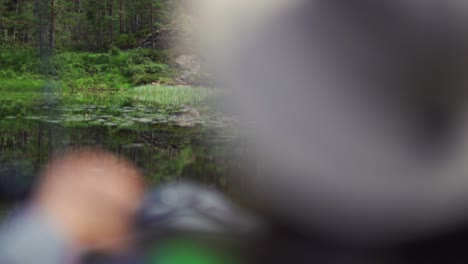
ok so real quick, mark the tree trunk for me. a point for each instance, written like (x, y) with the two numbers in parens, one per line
(52, 26)
(75, 36)
(133, 16)
(4, 31)
(101, 31)
(42, 9)
(111, 26)
(152, 26)
(14, 27)
(120, 17)
(25, 37)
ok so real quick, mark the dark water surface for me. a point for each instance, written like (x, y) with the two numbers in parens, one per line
(205, 151)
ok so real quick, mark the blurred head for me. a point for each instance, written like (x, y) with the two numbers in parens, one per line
(360, 107)
(91, 196)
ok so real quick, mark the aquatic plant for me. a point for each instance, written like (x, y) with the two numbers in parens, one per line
(171, 95)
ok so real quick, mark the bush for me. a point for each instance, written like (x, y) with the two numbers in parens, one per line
(125, 41)
(20, 61)
(113, 70)
(147, 72)
(20, 69)
(114, 51)
(144, 66)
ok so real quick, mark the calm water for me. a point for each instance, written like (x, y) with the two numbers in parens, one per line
(207, 152)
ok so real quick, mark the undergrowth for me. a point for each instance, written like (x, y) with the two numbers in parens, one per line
(83, 71)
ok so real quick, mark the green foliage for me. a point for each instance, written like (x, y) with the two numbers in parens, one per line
(170, 95)
(113, 70)
(83, 25)
(14, 61)
(114, 51)
(126, 41)
(83, 71)
(150, 95)
(20, 70)
(147, 72)
(19, 103)
(20, 84)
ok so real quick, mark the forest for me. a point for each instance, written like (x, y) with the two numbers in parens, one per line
(82, 25)
(85, 45)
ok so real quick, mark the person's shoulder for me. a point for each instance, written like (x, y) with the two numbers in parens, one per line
(27, 237)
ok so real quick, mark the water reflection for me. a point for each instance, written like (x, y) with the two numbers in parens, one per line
(164, 153)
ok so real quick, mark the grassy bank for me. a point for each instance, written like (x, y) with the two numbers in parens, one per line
(29, 81)
(158, 96)
(149, 95)
(169, 96)
(26, 69)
